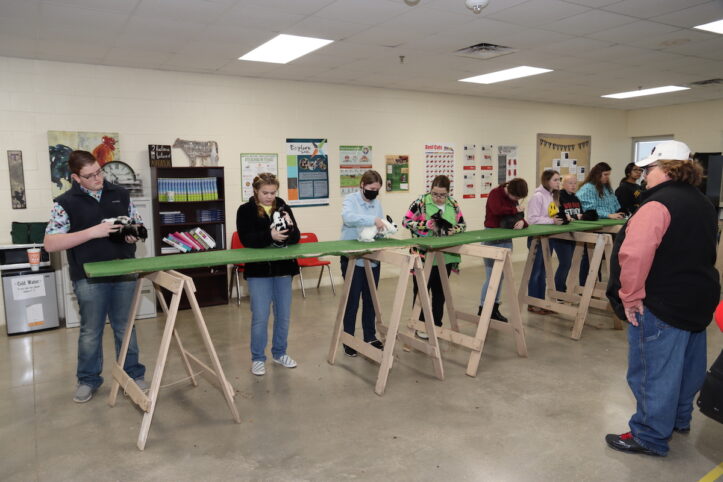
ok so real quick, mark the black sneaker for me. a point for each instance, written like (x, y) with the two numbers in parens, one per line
(377, 344)
(349, 351)
(626, 443)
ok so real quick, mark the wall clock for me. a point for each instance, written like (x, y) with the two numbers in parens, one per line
(119, 172)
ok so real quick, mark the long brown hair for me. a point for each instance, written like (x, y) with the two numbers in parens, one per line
(548, 174)
(594, 177)
(263, 179)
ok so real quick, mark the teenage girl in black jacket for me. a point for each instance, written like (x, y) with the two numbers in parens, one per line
(268, 281)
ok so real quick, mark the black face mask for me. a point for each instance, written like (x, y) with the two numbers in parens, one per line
(371, 195)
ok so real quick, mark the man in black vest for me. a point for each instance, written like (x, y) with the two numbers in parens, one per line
(664, 282)
(76, 226)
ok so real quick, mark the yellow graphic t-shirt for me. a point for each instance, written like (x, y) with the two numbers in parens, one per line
(552, 210)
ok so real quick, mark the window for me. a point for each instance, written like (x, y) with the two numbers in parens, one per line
(643, 146)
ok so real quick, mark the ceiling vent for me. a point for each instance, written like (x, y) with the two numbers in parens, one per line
(707, 82)
(484, 51)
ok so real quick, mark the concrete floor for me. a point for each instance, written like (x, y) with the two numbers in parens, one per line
(539, 418)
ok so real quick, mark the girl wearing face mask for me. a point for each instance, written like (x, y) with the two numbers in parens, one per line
(268, 281)
(361, 209)
(543, 209)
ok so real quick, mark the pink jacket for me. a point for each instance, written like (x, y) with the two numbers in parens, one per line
(538, 207)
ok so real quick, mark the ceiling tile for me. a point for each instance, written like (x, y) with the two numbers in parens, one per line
(257, 17)
(122, 6)
(589, 22)
(651, 8)
(538, 12)
(632, 32)
(690, 17)
(326, 29)
(368, 12)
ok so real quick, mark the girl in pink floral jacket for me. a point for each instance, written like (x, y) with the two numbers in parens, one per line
(435, 214)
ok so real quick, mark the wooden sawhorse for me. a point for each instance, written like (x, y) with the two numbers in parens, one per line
(502, 265)
(390, 332)
(592, 294)
(177, 283)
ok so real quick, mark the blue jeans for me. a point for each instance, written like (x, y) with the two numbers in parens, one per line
(489, 263)
(666, 368)
(264, 291)
(98, 300)
(564, 250)
(360, 287)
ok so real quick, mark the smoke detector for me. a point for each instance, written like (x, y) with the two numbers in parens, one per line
(476, 5)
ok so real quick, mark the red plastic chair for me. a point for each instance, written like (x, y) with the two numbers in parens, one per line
(311, 262)
(237, 268)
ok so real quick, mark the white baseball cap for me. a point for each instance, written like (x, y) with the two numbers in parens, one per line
(667, 151)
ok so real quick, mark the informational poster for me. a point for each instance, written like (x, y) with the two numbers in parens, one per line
(397, 172)
(469, 162)
(507, 160)
(469, 190)
(439, 159)
(103, 145)
(28, 287)
(488, 170)
(307, 167)
(253, 164)
(567, 154)
(353, 162)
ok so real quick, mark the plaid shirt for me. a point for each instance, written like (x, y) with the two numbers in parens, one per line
(590, 199)
(60, 221)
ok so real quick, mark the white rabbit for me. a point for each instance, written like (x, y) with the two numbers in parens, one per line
(367, 234)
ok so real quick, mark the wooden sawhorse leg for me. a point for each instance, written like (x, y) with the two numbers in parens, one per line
(385, 357)
(177, 284)
(582, 298)
(502, 265)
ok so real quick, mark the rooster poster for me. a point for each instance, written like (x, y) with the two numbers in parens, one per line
(103, 145)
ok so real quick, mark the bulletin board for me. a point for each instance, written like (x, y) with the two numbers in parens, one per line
(567, 154)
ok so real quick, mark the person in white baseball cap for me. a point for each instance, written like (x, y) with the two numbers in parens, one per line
(668, 151)
(663, 281)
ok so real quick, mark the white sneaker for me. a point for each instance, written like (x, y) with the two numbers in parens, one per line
(422, 334)
(258, 368)
(286, 361)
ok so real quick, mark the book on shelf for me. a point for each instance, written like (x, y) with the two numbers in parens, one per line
(187, 189)
(170, 250)
(186, 241)
(210, 242)
(176, 244)
(172, 217)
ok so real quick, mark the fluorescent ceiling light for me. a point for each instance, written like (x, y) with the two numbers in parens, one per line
(715, 27)
(642, 92)
(503, 75)
(283, 48)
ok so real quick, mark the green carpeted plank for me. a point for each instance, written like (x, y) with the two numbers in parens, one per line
(325, 248)
(235, 256)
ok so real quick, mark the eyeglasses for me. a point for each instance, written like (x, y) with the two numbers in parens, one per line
(439, 195)
(649, 168)
(94, 175)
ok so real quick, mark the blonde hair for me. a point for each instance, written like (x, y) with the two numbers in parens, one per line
(264, 179)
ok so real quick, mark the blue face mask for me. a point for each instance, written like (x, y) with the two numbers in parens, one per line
(369, 194)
